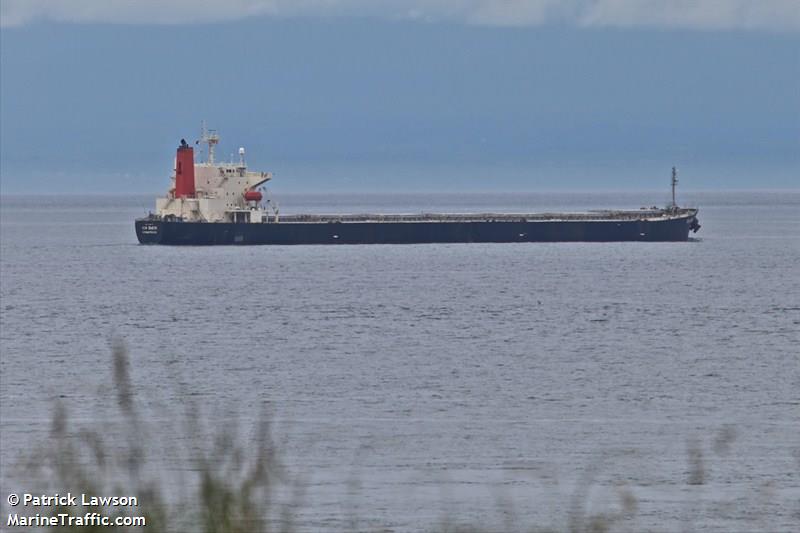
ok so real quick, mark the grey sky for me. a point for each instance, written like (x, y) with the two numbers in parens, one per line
(698, 14)
(394, 95)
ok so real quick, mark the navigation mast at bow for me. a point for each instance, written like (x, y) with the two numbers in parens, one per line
(674, 184)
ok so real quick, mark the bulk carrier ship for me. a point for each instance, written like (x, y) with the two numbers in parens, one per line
(221, 203)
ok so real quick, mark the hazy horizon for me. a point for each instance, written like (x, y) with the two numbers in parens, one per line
(359, 101)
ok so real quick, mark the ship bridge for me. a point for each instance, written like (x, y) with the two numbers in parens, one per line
(212, 191)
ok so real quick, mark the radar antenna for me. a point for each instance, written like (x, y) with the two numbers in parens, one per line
(211, 138)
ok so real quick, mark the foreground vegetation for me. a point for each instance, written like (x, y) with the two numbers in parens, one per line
(232, 486)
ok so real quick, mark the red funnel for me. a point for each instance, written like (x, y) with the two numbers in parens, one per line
(184, 171)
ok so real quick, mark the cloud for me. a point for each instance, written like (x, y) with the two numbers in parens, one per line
(771, 15)
(695, 14)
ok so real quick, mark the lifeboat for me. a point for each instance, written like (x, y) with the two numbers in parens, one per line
(253, 196)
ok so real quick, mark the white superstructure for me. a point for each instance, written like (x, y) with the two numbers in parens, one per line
(221, 192)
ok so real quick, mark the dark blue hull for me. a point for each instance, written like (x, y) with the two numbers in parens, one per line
(157, 231)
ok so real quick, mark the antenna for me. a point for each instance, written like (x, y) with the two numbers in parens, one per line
(209, 137)
(674, 184)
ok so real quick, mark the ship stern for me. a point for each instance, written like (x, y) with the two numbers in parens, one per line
(149, 231)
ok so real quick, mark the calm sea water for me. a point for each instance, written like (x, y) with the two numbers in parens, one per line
(491, 384)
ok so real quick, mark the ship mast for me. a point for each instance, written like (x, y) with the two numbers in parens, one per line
(209, 137)
(674, 184)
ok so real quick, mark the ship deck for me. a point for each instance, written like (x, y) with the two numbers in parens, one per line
(605, 216)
